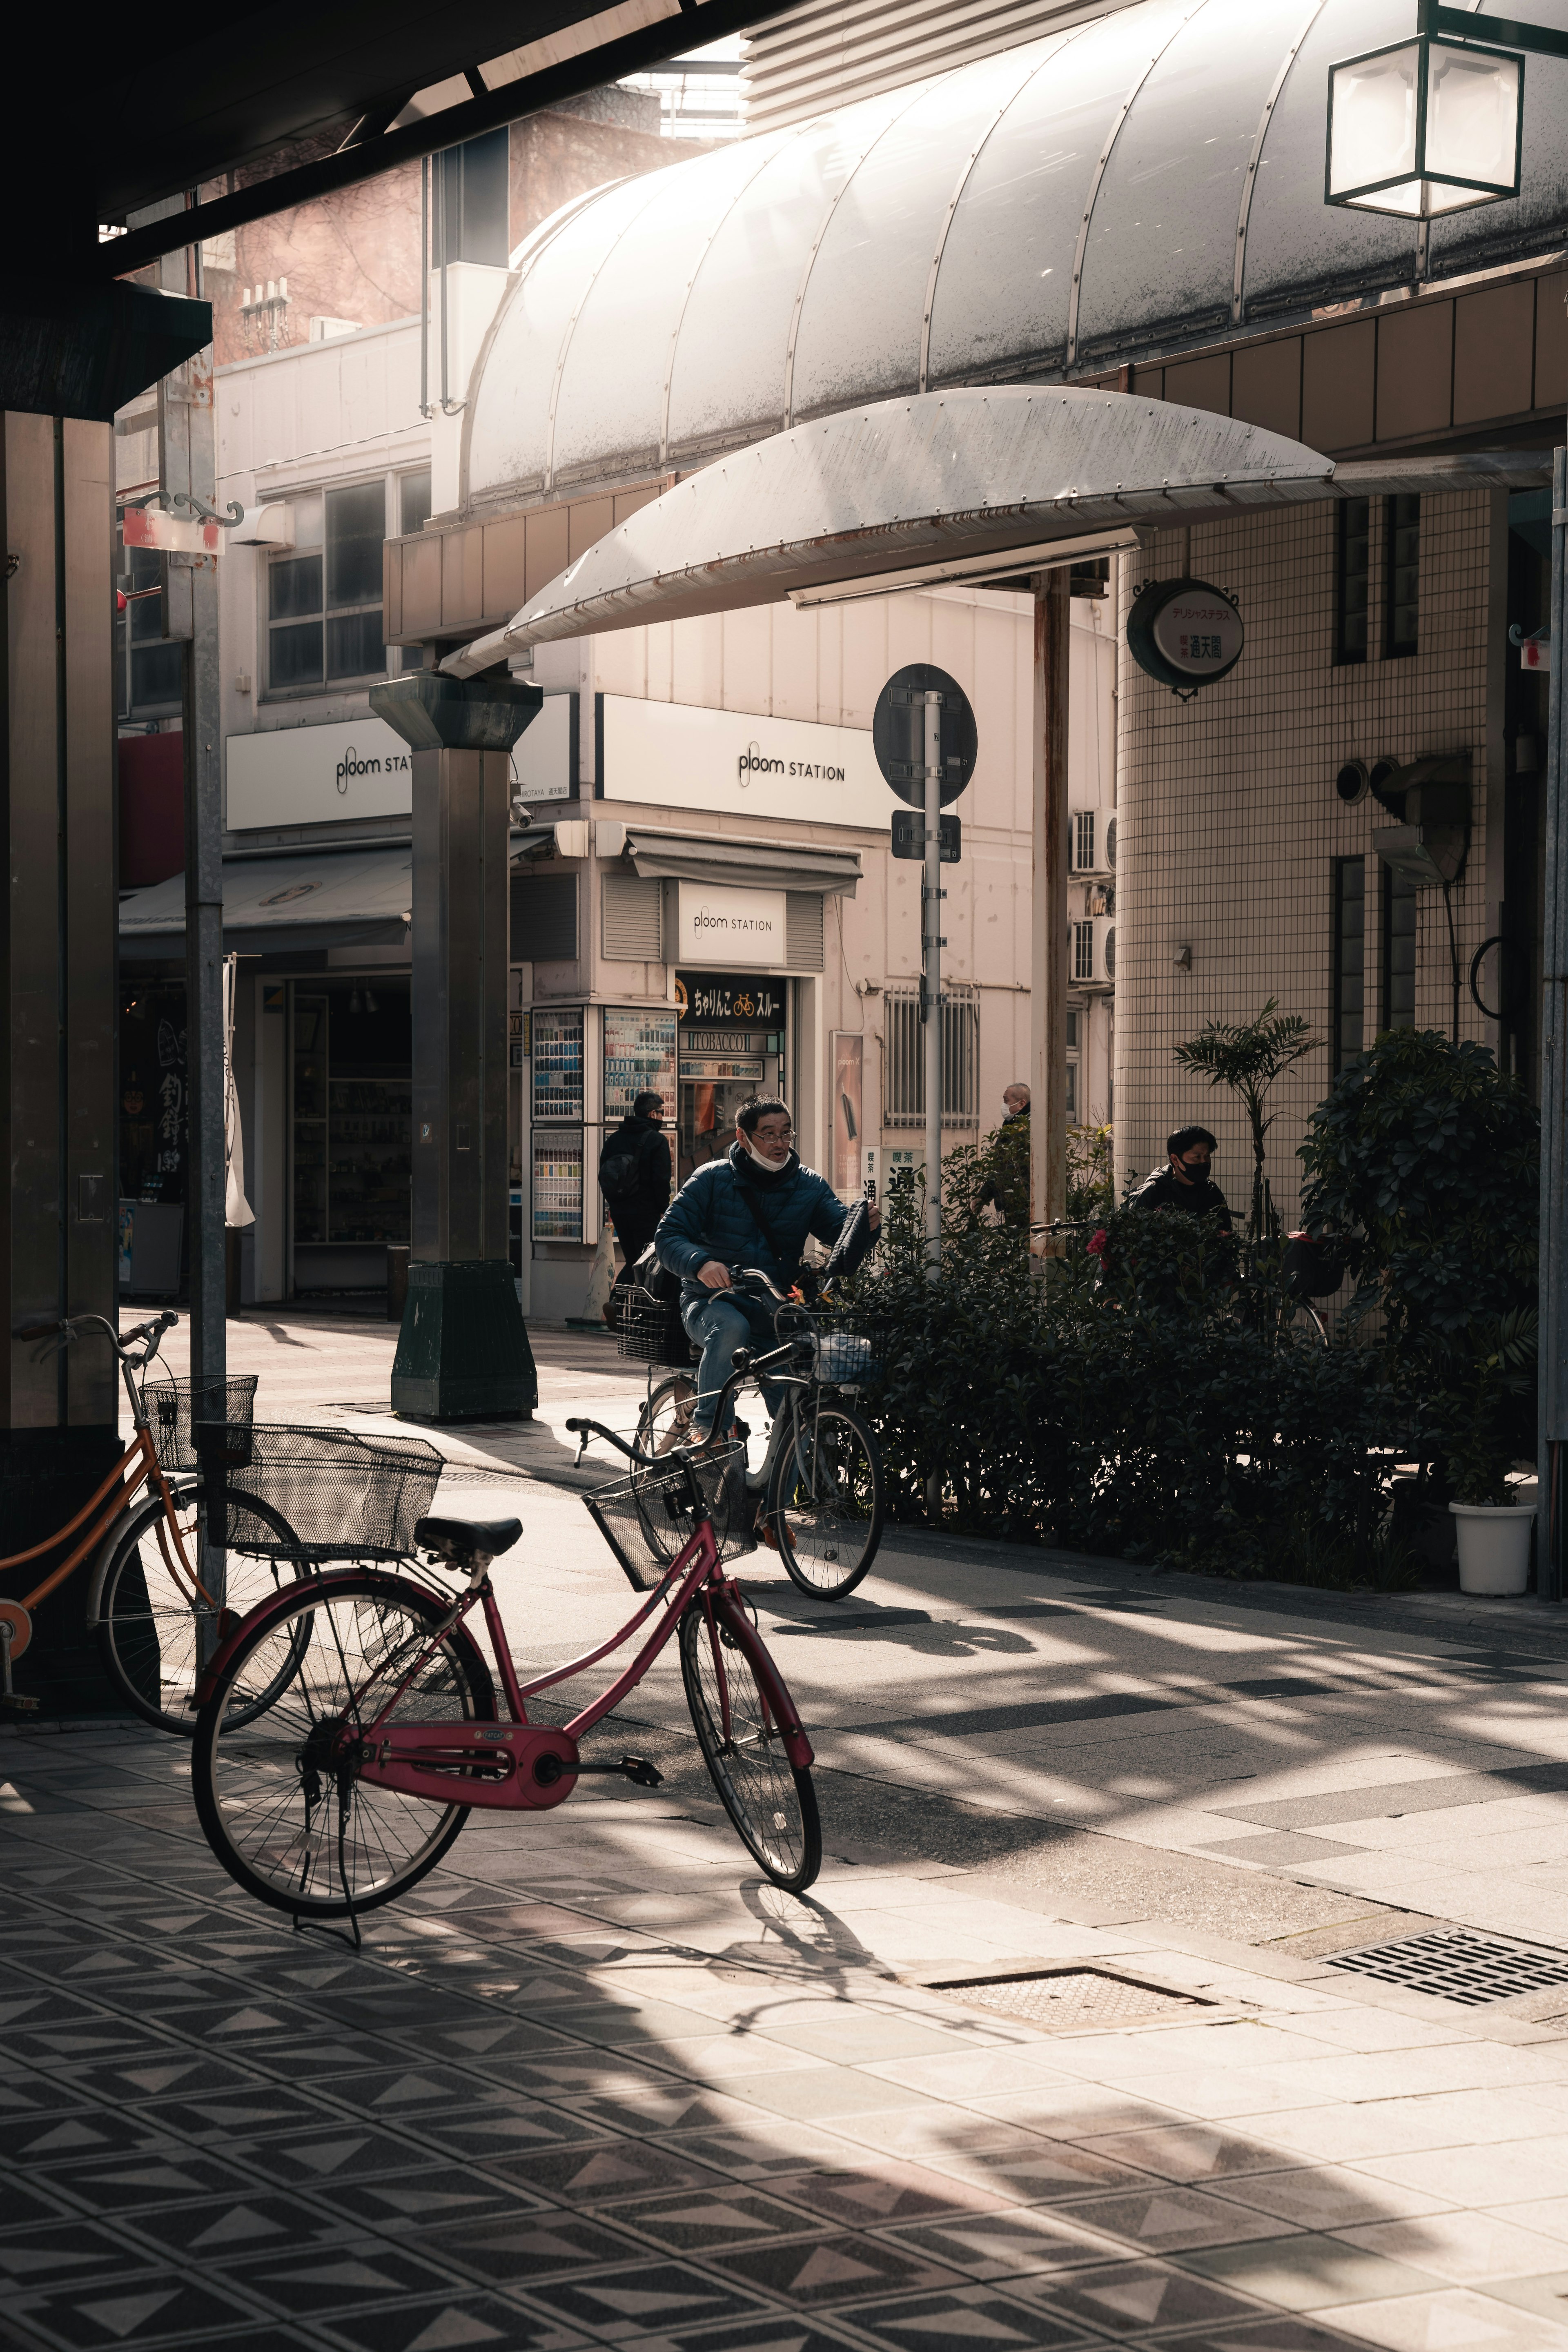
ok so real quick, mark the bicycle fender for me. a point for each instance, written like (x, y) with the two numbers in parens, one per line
(796, 1746)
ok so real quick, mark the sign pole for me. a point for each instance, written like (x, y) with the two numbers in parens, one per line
(931, 897)
(1049, 928)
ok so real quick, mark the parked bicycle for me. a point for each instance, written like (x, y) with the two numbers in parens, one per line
(818, 1493)
(160, 1594)
(385, 1731)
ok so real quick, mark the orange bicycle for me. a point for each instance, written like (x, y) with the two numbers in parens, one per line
(160, 1597)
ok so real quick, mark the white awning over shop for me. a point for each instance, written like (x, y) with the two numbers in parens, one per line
(713, 858)
(343, 898)
(944, 479)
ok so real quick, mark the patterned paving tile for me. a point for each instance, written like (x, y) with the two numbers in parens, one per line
(873, 2196)
(716, 2216)
(393, 2092)
(224, 2230)
(260, 2108)
(526, 2247)
(477, 2040)
(958, 2322)
(431, 2199)
(64, 2253)
(629, 2305)
(145, 2310)
(339, 2151)
(776, 2335)
(156, 2074)
(606, 2170)
(341, 2278)
(319, 2058)
(122, 2184)
(1001, 2245)
(836, 2269)
(1131, 2298)
(73, 2129)
(488, 2132)
(668, 2107)
(453, 2323)
(1294, 2335)
(757, 2150)
(1307, 2272)
(1169, 2219)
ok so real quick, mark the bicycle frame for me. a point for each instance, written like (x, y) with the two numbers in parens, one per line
(523, 1767)
(116, 1493)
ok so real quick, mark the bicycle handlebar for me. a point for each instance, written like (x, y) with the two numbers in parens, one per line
(75, 1327)
(583, 1430)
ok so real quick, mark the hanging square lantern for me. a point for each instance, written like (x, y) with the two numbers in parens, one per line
(1425, 127)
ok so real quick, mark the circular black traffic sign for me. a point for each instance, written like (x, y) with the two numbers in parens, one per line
(1184, 633)
(897, 732)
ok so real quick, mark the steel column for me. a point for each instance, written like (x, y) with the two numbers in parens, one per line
(1553, 1316)
(931, 897)
(1048, 927)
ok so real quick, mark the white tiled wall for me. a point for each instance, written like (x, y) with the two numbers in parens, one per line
(1228, 818)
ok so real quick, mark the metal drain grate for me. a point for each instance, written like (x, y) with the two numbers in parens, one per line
(1459, 1966)
(1061, 1998)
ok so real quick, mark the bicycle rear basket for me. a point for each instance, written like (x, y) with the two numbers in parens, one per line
(649, 1331)
(854, 1347)
(647, 1520)
(168, 1403)
(340, 1496)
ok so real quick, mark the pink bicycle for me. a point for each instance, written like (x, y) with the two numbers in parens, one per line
(382, 1731)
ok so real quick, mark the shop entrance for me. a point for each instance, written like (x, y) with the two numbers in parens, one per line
(731, 1047)
(353, 1130)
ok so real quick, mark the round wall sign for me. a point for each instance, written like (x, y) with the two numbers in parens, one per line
(1184, 633)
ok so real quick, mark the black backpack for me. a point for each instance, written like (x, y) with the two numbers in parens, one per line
(620, 1164)
(650, 1274)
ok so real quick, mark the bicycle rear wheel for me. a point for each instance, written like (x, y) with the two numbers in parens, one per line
(279, 1797)
(771, 1804)
(826, 1500)
(155, 1632)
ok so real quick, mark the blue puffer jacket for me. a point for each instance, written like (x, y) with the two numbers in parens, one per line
(718, 1214)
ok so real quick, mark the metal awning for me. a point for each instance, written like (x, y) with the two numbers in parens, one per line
(936, 480)
(271, 905)
(713, 858)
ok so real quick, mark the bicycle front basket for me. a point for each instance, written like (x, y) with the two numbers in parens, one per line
(649, 1331)
(647, 1520)
(168, 1403)
(342, 1497)
(854, 1348)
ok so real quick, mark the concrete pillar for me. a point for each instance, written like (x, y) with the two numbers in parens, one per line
(462, 1351)
(57, 1411)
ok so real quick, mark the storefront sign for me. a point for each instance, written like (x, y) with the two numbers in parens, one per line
(680, 755)
(1184, 633)
(723, 925)
(312, 775)
(710, 997)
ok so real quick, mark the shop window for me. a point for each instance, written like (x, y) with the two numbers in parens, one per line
(903, 1059)
(1398, 950)
(1072, 1094)
(353, 1110)
(1353, 579)
(1075, 1032)
(1401, 574)
(413, 501)
(1083, 951)
(149, 674)
(1350, 957)
(323, 610)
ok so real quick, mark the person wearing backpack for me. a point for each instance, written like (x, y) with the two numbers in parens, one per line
(753, 1207)
(633, 1177)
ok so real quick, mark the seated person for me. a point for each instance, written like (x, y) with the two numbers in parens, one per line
(755, 1206)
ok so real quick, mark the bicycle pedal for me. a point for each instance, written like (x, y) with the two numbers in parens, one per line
(638, 1768)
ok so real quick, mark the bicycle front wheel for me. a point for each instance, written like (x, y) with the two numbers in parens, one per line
(826, 1501)
(156, 1632)
(281, 1798)
(771, 1804)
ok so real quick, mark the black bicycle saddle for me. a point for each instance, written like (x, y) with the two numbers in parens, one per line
(461, 1538)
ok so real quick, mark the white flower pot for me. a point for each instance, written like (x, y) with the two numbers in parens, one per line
(1494, 1546)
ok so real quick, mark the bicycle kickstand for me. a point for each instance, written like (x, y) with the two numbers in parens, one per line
(11, 1701)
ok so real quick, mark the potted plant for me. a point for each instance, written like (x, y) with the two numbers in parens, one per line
(1481, 1412)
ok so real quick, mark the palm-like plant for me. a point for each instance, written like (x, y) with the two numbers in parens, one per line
(1246, 1056)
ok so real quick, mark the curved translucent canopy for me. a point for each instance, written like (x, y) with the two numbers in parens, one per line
(982, 477)
(1150, 178)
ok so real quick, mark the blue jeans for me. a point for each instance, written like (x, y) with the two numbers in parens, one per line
(720, 1322)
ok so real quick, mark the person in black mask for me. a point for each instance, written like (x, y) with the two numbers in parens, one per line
(1186, 1181)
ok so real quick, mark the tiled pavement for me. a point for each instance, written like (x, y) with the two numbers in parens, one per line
(595, 2083)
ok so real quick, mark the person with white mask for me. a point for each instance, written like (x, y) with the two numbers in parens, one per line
(753, 1207)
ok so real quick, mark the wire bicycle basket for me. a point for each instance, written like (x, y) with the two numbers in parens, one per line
(649, 1331)
(648, 1518)
(853, 1347)
(344, 1497)
(168, 1404)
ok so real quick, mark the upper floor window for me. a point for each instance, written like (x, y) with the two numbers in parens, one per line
(323, 610)
(1402, 566)
(1353, 579)
(148, 672)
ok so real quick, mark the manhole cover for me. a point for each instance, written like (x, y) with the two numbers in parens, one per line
(1061, 1998)
(1459, 1966)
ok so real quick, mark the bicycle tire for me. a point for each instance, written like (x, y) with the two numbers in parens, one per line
(827, 1539)
(665, 1418)
(153, 1637)
(264, 1792)
(771, 1803)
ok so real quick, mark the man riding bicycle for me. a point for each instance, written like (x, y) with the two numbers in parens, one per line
(753, 1207)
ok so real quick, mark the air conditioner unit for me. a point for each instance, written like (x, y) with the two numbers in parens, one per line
(1091, 952)
(1110, 843)
(1083, 841)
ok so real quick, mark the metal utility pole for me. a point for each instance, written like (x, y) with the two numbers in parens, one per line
(1048, 923)
(1554, 1315)
(188, 467)
(932, 897)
